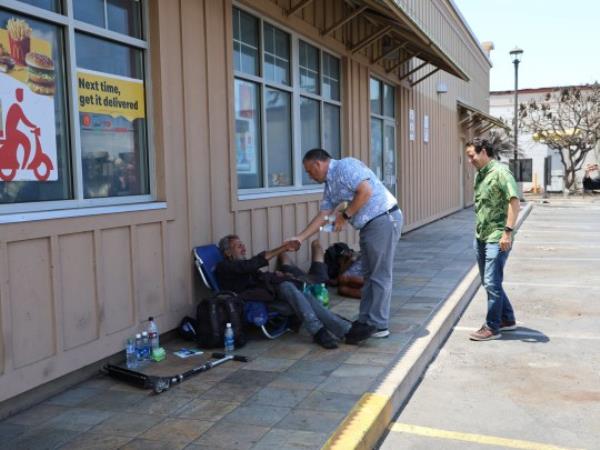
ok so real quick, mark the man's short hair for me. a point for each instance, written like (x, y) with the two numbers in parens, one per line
(316, 154)
(225, 243)
(481, 144)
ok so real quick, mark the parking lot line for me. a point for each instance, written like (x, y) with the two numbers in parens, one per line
(469, 437)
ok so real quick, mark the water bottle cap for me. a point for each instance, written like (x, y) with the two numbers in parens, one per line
(228, 325)
(150, 318)
(138, 336)
(144, 333)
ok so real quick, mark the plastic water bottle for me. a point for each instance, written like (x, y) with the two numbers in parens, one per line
(153, 333)
(146, 345)
(131, 354)
(139, 347)
(229, 341)
(329, 227)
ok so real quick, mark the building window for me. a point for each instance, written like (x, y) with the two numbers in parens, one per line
(383, 132)
(73, 123)
(287, 101)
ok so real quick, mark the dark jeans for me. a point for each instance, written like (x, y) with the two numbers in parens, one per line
(491, 261)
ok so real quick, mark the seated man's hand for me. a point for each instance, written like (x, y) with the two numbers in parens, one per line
(292, 244)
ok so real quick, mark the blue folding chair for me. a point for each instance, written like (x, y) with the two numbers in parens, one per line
(271, 319)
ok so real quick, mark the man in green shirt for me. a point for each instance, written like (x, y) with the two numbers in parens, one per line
(496, 209)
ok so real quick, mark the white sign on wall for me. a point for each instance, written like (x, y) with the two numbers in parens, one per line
(412, 132)
(425, 128)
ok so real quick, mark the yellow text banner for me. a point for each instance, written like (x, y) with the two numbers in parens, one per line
(114, 96)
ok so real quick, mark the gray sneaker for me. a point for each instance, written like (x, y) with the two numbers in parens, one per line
(381, 333)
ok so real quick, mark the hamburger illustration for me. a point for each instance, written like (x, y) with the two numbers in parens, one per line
(40, 73)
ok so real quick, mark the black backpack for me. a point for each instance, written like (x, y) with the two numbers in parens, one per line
(332, 258)
(212, 315)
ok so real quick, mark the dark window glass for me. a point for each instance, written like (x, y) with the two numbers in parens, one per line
(122, 16)
(34, 134)
(331, 77)
(331, 130)
(50, 5)
(309, 68)
(278, 137)
(90, 11)
(375, 96)
(277, 55)
(310, 125)
(125, 16)
(245, 42)
(104, 56)
(377, 147)
(388, 100)
(112, 116)
(247, 135)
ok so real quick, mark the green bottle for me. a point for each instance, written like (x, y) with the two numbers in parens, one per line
(321, 293)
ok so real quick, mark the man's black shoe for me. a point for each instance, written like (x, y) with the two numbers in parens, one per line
(359, 332)
(324, 339)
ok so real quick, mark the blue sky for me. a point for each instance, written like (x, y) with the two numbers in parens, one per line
(560, 40)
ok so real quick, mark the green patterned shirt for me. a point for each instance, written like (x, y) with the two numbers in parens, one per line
(494, 187)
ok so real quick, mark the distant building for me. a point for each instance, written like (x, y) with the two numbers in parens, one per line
(502, 104)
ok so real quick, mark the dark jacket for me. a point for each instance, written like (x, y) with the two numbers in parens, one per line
(245, 279)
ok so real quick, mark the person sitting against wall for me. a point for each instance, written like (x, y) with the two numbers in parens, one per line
(590, 183)
(340, 266)
(243, 276)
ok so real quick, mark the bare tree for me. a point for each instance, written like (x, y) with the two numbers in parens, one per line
(567, 120)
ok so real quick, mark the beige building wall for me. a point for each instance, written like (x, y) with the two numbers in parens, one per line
(73, 289)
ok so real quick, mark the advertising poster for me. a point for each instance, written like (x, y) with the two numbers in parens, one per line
(425, 128)
(27, 87)
(110, 95)
(111, 112)
(411, 125)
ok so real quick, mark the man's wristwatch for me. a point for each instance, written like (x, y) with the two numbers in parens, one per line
(346, 216)
(508, 229)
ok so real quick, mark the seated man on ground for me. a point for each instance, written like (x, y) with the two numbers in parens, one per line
(239, 274)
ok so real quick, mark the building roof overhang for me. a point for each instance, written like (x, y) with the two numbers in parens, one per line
(482, 120)
(407, 39)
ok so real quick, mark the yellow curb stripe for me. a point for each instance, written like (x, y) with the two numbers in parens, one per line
(468, 437)
(365, 423)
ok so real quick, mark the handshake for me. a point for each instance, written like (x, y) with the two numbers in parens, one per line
(292, 244)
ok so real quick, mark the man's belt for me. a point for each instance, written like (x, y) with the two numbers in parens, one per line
(389, 211)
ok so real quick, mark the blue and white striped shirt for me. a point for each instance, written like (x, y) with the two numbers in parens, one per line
(343, 178)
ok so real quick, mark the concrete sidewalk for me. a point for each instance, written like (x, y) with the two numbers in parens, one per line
(292, 394)
(538, 387)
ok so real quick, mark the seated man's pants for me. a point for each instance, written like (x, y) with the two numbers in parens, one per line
(313, 314)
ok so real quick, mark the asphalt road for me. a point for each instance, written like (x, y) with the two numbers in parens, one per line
(539, 386)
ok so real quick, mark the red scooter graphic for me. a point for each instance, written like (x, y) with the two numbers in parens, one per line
(15, 138)
(9, 164)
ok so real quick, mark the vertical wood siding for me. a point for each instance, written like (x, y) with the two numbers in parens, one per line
(72, 290)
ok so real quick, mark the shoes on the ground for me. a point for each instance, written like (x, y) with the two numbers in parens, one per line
(381, 333)
(507, 326)
(324, 339)
(485, 333)
(359, 332)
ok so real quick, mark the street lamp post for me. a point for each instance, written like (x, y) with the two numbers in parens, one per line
(516, 53)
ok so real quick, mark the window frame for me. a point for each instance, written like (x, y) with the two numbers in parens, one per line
(296, 92)
(69, 26)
